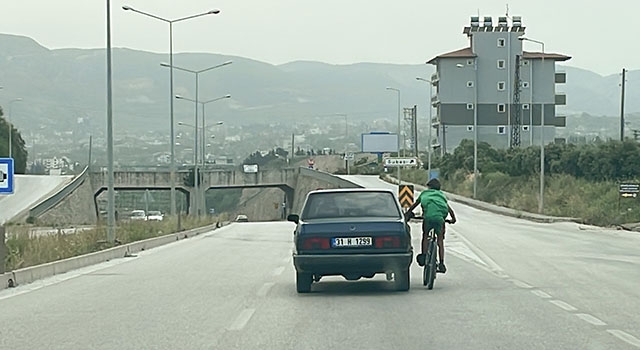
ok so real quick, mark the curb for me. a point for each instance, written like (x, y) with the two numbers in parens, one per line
(33, 273)
(495, 208)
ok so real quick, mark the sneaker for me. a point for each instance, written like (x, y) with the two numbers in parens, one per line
(420, 259)
(442, 268)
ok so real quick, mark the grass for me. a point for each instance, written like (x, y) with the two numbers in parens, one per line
(24, 250)
(596, 203)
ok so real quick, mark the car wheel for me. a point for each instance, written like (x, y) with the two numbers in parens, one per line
(303, 282)
(401, 280)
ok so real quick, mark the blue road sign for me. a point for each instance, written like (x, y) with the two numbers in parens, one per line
(6, 175)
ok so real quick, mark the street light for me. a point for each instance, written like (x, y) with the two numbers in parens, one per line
(430, 82)
(197, 74)
(196, 183)
(11, 125)
(398, 91)
(172, 142)
(475, 126)
(541, 200)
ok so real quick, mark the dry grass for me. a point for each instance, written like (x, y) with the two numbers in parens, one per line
(25, 249)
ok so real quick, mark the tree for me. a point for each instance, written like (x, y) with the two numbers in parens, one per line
(19, 151)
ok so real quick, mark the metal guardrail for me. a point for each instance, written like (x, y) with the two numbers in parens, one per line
(53, 200)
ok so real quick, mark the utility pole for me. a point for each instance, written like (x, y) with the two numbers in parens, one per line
(624, 74)
(293, 142)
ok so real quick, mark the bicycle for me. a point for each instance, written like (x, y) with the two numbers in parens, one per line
(430, 266)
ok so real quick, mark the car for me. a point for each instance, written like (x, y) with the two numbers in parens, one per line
(138, 215)
(242, 218)
(154, 215)
(353, 233)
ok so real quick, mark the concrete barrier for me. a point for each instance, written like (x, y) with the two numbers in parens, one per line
(52, 201)
(496, 209)
(34, 273)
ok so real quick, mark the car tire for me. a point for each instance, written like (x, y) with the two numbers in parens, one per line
(401, 280)
(303, 282)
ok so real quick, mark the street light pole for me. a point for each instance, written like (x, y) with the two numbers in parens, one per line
(475, 126)
(172, 166)
(541, 195)
(398, 91)
(111, 197)
(11, 125)
(195, 153)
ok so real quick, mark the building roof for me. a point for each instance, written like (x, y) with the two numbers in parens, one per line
(547, 56)
(462, 53)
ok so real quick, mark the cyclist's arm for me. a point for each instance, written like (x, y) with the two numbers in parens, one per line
(414, 205)
(452, 214)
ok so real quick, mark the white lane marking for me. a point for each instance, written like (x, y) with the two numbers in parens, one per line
(56, 279)
(541, 294)
(278, 271)
(521, 284)
(485, 258)
(264, 290)
(591, 319)
(624, 336)
(242, 319)
(561, 304)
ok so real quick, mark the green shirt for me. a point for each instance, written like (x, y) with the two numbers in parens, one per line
(434, 204)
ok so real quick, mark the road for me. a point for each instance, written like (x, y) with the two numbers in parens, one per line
(511, 284)
(29, 190)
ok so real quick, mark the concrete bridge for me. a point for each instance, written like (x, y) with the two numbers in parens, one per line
(76, 203)
(160, 179)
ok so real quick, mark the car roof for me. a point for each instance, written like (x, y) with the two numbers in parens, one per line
(355, 190)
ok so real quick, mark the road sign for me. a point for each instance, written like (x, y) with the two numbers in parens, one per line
(250, 168)
(6, 175)
(349, 156)
(405, 195)
(400, 162)
(629, 190)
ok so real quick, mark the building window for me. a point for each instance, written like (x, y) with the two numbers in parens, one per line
(469, 62)
(501, 64)
(525, 128)
(525, 106)
(524, 84)
(525, 62)
(501, 107)
(501, 42)
(502, 130)
(469, 127)
(501, 85)
(469, 106)
(470, 83)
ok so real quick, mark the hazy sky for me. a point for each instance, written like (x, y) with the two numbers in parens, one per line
(599, 35)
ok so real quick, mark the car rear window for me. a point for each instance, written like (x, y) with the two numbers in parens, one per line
(350, 204)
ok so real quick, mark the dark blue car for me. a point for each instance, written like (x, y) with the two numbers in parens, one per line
(353, 233)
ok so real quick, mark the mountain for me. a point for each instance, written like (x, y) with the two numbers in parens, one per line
(61, 88)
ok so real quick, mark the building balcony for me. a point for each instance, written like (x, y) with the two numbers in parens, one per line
(561, 99)
(561, 77)
(435, 77)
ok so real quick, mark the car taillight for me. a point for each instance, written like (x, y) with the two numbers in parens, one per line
(316, 243)
(388, 242)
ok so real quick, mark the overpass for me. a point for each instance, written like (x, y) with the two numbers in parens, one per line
(77, 203)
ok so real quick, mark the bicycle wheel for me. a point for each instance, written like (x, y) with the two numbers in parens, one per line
(427, 271)
(432, 265)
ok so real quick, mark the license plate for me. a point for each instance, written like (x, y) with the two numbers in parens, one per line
(351, 241)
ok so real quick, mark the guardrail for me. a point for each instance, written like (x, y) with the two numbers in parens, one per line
(327, 177)
(34, 273)
(53, 200)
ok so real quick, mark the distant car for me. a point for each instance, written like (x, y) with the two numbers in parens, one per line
(154, 215)
(138, 215)
(353, 233)
(242, 218)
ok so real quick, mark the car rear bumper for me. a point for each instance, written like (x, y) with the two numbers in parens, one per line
(337, 264)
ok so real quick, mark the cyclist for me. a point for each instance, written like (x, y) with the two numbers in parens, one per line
(435, 209)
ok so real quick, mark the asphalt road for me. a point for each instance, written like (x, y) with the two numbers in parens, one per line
(29, 190)
(511, 284)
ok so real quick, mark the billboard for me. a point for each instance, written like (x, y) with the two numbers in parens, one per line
(379, 143)
(250, 168)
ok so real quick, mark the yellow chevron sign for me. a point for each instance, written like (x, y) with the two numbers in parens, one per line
(405, 195)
